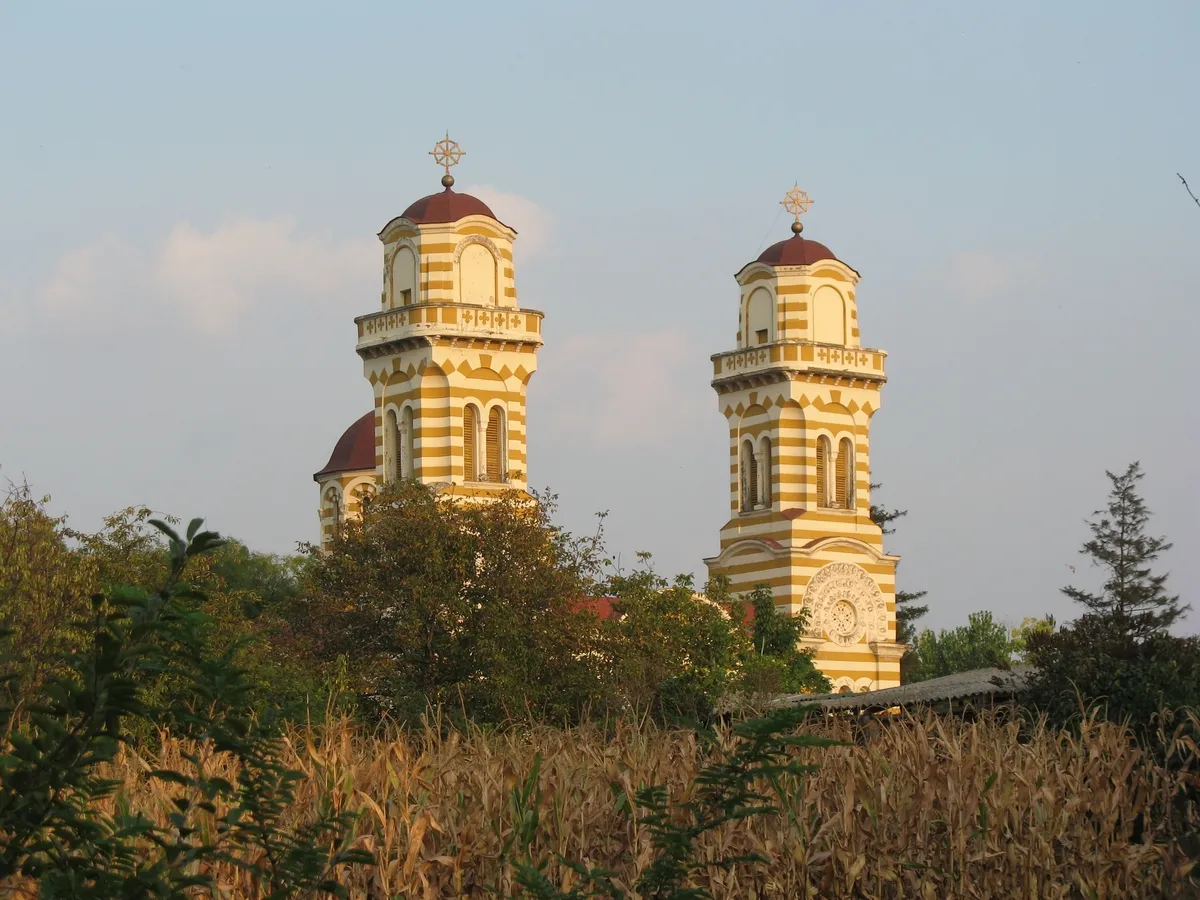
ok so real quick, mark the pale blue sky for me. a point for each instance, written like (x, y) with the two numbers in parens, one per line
(189, 195)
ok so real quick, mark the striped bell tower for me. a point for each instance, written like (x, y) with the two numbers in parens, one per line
(798, 393)
(448, 354)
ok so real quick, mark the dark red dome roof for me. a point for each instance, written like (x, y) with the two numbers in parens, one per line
(448, 206)
(355, 449)
(795, 251)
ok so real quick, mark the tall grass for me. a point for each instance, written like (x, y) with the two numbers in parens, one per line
(923, 807)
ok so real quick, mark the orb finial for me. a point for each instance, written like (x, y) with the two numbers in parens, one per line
(797, 203)
(447, 153)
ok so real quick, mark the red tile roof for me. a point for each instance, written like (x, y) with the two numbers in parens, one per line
(355, 449)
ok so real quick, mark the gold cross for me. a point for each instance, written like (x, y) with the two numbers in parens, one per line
(796, 201)
(447, 153)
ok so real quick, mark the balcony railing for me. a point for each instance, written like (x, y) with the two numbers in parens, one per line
(799, 356)
(451, 319)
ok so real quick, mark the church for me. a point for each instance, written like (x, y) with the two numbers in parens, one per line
(449, 353)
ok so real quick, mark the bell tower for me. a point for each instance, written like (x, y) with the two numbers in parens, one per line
(798, 393)
(448, 354)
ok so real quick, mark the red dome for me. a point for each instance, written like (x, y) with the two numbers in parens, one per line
(355, 449)
(448, 206)
(795, 251)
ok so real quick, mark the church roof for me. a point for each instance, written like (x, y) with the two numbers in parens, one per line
(795, 251)
(447, 206)
(355, 449)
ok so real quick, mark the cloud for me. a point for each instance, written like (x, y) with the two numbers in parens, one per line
(532, 222)
(620, 389)
(207, 279)
(217, 275)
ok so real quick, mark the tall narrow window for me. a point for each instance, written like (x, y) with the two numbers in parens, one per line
(765, 494)
(470, 443)
(822, 471)
(744, 455)
(846, 465)
(841, 476)
(750, 476)
(391, 446)
(496, 457)
(406, 443)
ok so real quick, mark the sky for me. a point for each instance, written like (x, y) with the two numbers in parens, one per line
(189, 197)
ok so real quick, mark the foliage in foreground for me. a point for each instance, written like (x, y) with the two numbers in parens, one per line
(55, 831)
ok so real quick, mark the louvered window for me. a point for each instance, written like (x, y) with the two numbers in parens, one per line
(470, 437)
(766, 494)
(406, 443)
(753, 475)
(391, 446)
(495, 447)
(822, 469)
(846, 474)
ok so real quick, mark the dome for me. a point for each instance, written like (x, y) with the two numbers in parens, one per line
(448, 206)
(355, 449)
(795, 251)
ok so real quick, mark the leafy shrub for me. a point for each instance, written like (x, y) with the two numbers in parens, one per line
(54, 833)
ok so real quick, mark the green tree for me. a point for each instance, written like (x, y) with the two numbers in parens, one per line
(667, 650)
(1132, 596)
(471, 605)
(1021, 635)
(776, 663)
(979, 644)
(907, 609)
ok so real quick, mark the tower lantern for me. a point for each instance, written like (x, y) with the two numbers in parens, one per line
(448, 355)
(798, 393)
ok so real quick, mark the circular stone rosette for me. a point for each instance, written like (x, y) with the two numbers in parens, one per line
(846, 605)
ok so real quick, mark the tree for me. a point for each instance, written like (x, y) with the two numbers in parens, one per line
(1023, 634)
(775, 662)
(1132, 597)
(667, 650)
(979, 644)
(907, 612)
(441, 601)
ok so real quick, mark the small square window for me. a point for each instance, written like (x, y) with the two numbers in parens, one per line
(761, 335)
(406, 297)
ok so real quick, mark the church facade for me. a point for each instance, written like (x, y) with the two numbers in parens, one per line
(449, 354)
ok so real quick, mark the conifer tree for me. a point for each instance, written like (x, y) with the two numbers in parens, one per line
(1132, 599)
(906, 614)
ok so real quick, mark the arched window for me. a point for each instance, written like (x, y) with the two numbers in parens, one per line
(333, 510)
(391, 446)
(470, 443)
(845, 474)
(404, 277)
(760, 318)
(406, 443)
(363, 495)
(497, 450)
(749, 476)
(823, 454)
(845, 689)
(764, 465)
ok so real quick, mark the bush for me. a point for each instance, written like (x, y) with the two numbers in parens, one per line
(1095, 662)
(53, 831)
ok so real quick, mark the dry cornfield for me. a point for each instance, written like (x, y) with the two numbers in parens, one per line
(909, 810)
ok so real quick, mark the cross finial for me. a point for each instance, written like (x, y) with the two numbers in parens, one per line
(797, 203)
(447, 153)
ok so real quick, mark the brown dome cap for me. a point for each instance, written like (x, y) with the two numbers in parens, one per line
(795, 251)
(355, 449)
(448, 206)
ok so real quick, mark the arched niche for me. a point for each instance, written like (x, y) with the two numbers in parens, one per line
(477, 276)
(404, 277)
(760, 317)
(829, 316)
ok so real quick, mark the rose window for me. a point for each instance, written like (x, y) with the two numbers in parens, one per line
(843, 620)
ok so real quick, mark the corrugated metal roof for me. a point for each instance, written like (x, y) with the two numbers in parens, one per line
(995, 684)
